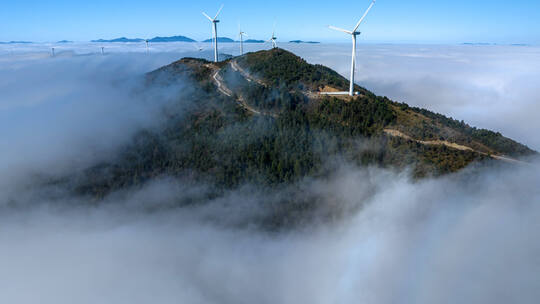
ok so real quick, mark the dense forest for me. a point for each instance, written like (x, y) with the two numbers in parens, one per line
(281, 68)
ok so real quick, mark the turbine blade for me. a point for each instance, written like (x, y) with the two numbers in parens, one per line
(245, 34)
(211, 20)
(364, 16)
(219, 11)
(340, 29)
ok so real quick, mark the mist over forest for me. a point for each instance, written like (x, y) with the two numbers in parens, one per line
(467, 237)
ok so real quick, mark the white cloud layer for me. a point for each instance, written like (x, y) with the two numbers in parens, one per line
(449, 240)
(492, 87)
(466, 238)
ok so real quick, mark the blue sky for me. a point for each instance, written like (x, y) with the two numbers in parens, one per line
(393, 21)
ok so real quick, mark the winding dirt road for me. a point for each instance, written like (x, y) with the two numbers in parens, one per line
(222, 87)
(245, 74)
(396, 133)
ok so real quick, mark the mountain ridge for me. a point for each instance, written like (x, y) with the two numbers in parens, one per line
(260, 119)
(258, 122)
(302, 41)
(171, 39)
(121, 39)
(220, 39)
(155, 39)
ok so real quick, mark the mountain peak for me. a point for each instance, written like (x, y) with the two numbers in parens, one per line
(278, 70)
(260, 119)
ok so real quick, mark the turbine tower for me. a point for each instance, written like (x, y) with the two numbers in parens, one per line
(214, 24)
(353, 34)
(146, 46)
(241, 34)
(273, 38)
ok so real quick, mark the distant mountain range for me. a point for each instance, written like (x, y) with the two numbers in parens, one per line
(220, 39)
(179, 39)
(300, 41)
(171, 39)
(64, 41)
(187, 39)
(155, 39)
(15, 42)
(122, 39)
(478, 43)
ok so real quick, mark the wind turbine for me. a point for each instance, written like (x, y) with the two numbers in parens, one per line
(198, 47)
(146, 46)
(241, 34)
(273, 38)
(52, 52)
(353, 34)
(214, 23)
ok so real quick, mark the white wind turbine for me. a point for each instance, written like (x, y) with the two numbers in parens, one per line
(353, 33)
(273, 38)
(241, 34)
(214, 23)
(198, 47)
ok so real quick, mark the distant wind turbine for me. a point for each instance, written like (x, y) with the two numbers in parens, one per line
(102, 50)
(198, 47)
(146, 46)
(241, 34)
(354, 33)
(273, 38)
(214, 24)
(52, 52)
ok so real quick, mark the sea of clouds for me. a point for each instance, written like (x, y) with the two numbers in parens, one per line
(491, 86)
(463, 238)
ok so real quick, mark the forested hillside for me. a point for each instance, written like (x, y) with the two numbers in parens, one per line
(274, 130)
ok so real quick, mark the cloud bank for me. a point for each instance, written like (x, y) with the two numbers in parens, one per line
(467, 239)
(60, 114)
(491, 87)
(464, 238)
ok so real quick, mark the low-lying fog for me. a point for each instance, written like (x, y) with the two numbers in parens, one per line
(465, 238)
